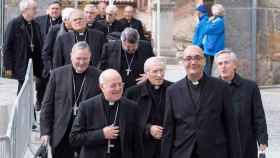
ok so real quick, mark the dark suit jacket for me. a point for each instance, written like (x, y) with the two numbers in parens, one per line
(136, 24)
(250, 113)
(115, 27)
(16, 46)
(65, 42)
(111, 55)
(91, 119)
(211, 125)
(142, 96)
(48, 47)
(43, 22)
(57, 105)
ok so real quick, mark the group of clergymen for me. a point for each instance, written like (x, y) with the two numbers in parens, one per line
(109, 99)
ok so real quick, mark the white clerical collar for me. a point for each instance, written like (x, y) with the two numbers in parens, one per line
(157, 87)
(195, 83)
(111, 103)
(81, 33)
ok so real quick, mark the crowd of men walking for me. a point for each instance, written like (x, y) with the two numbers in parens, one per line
(102, 93)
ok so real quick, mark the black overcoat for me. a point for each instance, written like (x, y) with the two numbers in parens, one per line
(57, 104)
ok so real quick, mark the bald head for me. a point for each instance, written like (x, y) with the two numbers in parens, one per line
(128, 12)
(111, 85)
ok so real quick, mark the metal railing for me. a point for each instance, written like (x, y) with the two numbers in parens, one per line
(18, 136)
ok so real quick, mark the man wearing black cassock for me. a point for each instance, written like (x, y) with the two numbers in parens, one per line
(51, 38)
(130, 21)
(89, 12)
(106, 125)
(94, 38)
(52, 18)
(150, 97)
(111, 24)
(127, 56)
(67, 87)
(199, 120)
(22, 42)
(247, 104)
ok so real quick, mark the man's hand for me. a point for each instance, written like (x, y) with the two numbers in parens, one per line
(45, 139)
(8, 73)
(111, 132)
(141, 79)
(156, 131)
(263, 147)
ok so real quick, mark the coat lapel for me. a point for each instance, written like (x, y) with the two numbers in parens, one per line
(145, 112)
(184, 89)
(69, 81)
(118, 55)
(100, 108)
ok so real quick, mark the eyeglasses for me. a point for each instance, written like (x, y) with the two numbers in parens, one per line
(195, 58)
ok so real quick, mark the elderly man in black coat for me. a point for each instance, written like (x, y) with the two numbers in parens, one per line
(52, 17)
(127, 56)
(199, 120)
(93, 37)
(130, 21)
(150, 97)
(22, 42)
(106, 125)
(67, 87)
(247, 105)
(51, 38)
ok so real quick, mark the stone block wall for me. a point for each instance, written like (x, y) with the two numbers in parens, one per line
(268, 42)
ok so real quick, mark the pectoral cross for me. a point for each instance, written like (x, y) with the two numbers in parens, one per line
(128, 70)
(75, 109)
(32, 47)
(109, 146)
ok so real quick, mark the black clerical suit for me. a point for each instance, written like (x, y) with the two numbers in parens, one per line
(116, 26)
(248, 106)
(93, 116)
(17, 50)
(113, 56)
(99, 17)
(151, 103)
(134, 23)
(50, 40)
(98, 26)
(65, 42)
(200, 124)
(46, 22)
(57, 112)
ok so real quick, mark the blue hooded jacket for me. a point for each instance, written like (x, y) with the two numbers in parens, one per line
(214, 39)
(199, 31)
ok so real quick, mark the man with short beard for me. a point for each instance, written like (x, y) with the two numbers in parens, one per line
(67, 87)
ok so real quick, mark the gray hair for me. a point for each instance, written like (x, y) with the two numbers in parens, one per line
(65, 14)
(233, 55)
(154, 60)
(104, 75)
(80, 45)
(24, 4)
(111, 8)
(91, 6)
(130, 35)
(218, 10)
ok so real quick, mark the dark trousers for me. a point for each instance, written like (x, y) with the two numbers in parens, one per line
(64, 148)
(209, 64)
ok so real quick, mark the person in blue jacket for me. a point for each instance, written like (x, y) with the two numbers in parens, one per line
(200, 26)
(214, 38)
